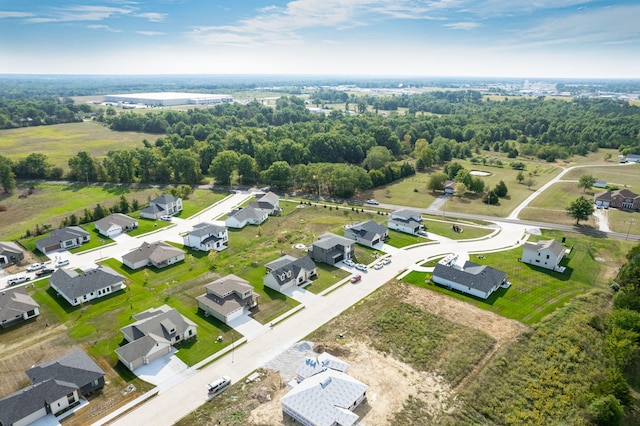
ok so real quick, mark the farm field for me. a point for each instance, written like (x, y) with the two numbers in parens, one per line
(59, 142)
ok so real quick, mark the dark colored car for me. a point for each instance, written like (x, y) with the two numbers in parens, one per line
(45, 271)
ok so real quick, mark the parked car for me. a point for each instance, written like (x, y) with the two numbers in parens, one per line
(61, 262)
(18, 280)
(350, 263)
(218, 385)
(373, 202)
(386, 261)
(361, 267)
(45, 271)
(356, 278)
(377, 266)
(35, 267)
(166, 218)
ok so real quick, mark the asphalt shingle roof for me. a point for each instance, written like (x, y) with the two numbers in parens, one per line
(479, 277)
(76, 367)
(75, 285)
(15, 302)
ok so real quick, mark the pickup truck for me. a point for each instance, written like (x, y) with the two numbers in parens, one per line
(18, 280)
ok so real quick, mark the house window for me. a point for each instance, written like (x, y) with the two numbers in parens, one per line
(190, 332)
(537, 260)
(96, 382)
(547, 256)
(71, 398)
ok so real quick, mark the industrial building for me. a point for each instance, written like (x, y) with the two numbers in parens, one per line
(168, 98)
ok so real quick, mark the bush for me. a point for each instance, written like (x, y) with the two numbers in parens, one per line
(606, 410)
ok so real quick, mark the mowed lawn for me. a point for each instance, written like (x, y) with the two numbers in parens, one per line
(627, 175)
(50, 203)
(60, 142)
(551, 205)
(536, 292)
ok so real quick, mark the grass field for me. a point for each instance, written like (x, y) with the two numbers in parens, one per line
(536, 292)
(621, 176)
(60, 142)
(551, 205)
(51, 203)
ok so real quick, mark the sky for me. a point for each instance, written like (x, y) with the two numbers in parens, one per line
(439, 38)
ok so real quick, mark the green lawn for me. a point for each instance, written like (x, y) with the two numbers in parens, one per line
(445, 229)
(401, 239)
(199, 200)
(550, 206)
(536, 292)
(626, 222)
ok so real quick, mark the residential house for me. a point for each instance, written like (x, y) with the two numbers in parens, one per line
(244, 216)
(471, 278)
(115, 224)
(367, 233)
(269, 201)
(228, 298)
(207, 236)
(331, 248)
(55, 386)
(158, 254)
(164, 205)
(16, 306)
(287, 272)
(633, 158)
(152, 336)
(545, 254)
(10, 253)
(325, 396)
(77, 288)
(620, 199)
(63, 239)
(449, 186)
(407, 221)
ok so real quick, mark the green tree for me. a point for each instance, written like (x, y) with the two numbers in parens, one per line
(490, 198)
(520, 177)
(278, 175)
(586, 182)
(247, 169)
(222, 167)
(501, 189)
(606, 411)
(7, 178)
(436, 181)
(377, 157)
(580, 209)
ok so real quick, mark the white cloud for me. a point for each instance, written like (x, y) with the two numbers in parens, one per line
(104, 27)
(9, 14)
(150, 33)
(81, 13)
(463, 25)
(153, 16)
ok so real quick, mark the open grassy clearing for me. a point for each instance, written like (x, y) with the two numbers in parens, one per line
(551, 205)
(59, 142)
(445, 229)
(536, 292)
(624, 221)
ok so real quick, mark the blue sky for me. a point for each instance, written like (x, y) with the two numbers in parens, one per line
(492, 38)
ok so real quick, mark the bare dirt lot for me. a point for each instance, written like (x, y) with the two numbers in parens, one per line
(394, 380)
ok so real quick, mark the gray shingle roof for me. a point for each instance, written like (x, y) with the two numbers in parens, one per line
(152, 209)
(406, 214)
(31, 399)
(76, 367)
(157, 252)
(248, 213)
(204, 228)
(329, 240)
(479, 277)
(164, 199)
(282, 275)
(59, 235)
(222, 294)
(15, 302)
(117, 219)
(139, 348)
(368, 230)
(555, 246)
(75, 285)
(150, 322)
(9, 247)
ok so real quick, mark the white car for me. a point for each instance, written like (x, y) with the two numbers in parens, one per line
(377, 266)
(386, 261)
(350, 263)
(61, 262)
(373, 202)
(166, 218)
(361, 267)
(35, 267)
(18, 280)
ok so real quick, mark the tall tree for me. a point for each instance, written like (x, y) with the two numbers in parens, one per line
(580, 209)
(222, 167)
(7, 178)
(377, 157)
(586, 182)
(436, 181)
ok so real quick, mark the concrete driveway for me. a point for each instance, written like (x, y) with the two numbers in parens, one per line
(165, 372)
(248, 327)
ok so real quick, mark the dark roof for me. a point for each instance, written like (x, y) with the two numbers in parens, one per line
(202, 229)
(9, 247)
(157, 252)
(154, 322)
(368, 230)
(286, 272)
(406, 214)
(59, 235)
(479, 277)
(152, 209)
(15, 302)
(77, 368)
(329, 240)
(27, 401)
(117, 219)
(164, 199)
(75, 285)
(248, 213)
(139, 348)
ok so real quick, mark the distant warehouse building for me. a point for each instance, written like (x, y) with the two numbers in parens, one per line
(169, 98)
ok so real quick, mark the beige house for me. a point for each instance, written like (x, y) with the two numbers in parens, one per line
(545, 254)
(228, 298)
(158, 254)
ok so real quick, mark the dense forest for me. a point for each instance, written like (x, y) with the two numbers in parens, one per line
(337, 155)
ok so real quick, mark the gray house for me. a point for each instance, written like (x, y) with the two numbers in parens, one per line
(269, 201)
(161, 206)
(115, 224)
(16, 306)
(367, 233)
(407, 221)
(77, 288)
(63, 239)
(331, 248)
(10, 253)
(152, 336)
(246, 216)
(55, 386)
(471, 278)
(207, 236)
(287, 272)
